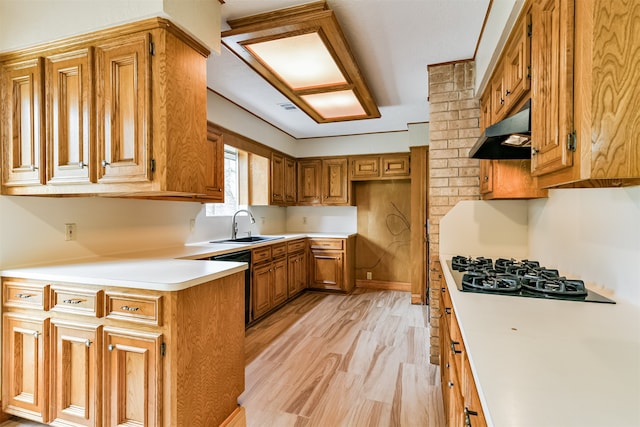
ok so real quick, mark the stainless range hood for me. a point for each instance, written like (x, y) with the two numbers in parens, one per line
(507, 139)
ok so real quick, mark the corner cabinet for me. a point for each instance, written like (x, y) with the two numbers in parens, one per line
(331, 265)
(324, 182)
(107, 113)
(87, 355)
(586, 94)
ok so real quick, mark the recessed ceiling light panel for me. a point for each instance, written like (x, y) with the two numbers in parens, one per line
(302, 52)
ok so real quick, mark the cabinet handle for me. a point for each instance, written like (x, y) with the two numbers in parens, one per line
(453, 347)
(72, 301)
(467, 418)
(105, 163)
(447, 365)
(33, 168)
(507, 92)
(501, 101)
(486, 178)
(127, 308)
(87, 343)
(111, 347)
(24, 296)
(443, 290)
(82, 165)
(533, 151)
(450, 384)
(447, 310)
(36, 334)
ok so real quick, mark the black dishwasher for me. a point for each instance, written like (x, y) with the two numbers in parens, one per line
(242, 256)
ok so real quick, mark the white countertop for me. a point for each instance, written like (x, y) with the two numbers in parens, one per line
(551, 363)
(165, 269)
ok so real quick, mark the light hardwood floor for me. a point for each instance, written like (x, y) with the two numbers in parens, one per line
(340, 360)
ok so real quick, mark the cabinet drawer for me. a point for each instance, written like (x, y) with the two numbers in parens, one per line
(134, 308)
(77, 301)
(329, 244)
(278, 250)
(296, 245)
(393, 166)
(24, 294)
(260, 254)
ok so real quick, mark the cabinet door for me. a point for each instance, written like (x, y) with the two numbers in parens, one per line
(497, 95)
(335, 188)
(279, 281)
(123, 89)
(290, 187)
(215, 166)
(517, 65)
(326, 270)
(552, 85)
(395, 165)
(261, 289)
(297, 273)
(309, 183)
(365, 167)
(277, 179)
(486, 176)
(22, 124)
(25, 357)
(75, 378)
(69, 117)
(132, 378)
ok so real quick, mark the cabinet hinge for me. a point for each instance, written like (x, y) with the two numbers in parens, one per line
(152, 48)
(529, 72)
(529, 30)
(163, 349)
(153, 165)
(571, 141)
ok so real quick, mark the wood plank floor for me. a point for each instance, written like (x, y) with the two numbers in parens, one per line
(340, 360)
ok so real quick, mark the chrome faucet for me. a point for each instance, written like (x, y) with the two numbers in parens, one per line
(234, 224)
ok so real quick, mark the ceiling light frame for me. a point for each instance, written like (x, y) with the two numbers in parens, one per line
(294, 21)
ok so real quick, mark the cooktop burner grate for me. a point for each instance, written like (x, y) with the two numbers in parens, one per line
(525, 278)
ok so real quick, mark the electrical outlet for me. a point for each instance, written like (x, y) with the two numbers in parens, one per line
(70, 231)
(369, 275)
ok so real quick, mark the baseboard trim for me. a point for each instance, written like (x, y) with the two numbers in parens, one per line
(383, 285)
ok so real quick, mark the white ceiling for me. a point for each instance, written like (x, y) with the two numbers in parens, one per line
(393, 41)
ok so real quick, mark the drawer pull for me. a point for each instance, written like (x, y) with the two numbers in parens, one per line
(72, 301)
(111, 347)
(24, 296)
(87, 343)
(447, 310)
(127, 308)
(450, 384)
(453, 347)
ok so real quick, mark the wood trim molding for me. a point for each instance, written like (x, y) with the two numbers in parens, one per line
(387, 286)
(84, 40)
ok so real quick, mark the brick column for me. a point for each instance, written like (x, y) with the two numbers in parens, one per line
(453, 129)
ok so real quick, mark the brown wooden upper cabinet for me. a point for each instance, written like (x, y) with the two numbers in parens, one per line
(79, 120)
(383, 166)
(508, 89)
(283, 180)
(215, 165)
(585, 107)
(323, 182)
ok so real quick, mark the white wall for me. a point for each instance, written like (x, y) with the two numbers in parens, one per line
(28, 22)
(593, 234)
(322, 219)
(501, 18)
(32, 228)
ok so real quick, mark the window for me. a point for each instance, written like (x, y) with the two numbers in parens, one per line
(230, 205)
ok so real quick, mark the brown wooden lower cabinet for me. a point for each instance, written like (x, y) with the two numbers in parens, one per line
(297, 273)
(331, 264)
(460, 395)
(269, 284)
(144, 358)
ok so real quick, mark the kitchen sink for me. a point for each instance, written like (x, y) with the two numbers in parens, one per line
(249, 239)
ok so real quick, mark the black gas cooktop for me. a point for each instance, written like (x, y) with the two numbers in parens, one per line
(522, 278)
